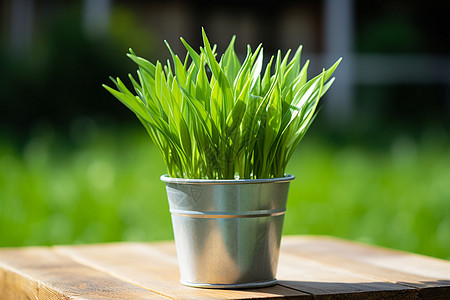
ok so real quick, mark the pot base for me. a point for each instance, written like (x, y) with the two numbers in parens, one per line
(247, 285)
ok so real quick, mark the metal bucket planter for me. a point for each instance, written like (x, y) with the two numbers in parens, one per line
(227, 232)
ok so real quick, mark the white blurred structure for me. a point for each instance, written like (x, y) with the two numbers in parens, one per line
(21, 26)
(338, 33)
(96, 15)
(338, 40)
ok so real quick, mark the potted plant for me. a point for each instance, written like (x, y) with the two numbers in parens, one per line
(226, 131)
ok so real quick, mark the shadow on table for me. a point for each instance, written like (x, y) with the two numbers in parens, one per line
(372, 290)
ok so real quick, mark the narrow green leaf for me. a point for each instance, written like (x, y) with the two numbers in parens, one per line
(203, 89)
(301, 79)
(131, 102)
(218, 74)
(292, 69)
(255, 73)
(192, 53)
(180, 71)
(273, 123)
(145, 64)
(231, 62)
(236, 120)
(265, 84)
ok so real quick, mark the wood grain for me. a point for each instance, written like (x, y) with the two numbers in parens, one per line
(155, 267)
(322, 280)
(40, 273)
(309, 268)
(428, 275)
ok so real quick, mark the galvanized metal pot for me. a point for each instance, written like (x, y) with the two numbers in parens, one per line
(227, 232)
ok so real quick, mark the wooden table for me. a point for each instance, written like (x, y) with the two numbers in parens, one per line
(310, 267)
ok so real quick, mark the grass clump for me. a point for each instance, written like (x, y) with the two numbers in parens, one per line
(223, 119)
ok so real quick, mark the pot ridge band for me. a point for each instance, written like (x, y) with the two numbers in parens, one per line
(232, 214)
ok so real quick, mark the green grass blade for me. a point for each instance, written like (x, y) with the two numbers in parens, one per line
(192, 53)
(265, 83)
(203, 89)
(180, 70)
(230, 61)
(145, 64)
(255, 73)
(236, 120)
(219, 75)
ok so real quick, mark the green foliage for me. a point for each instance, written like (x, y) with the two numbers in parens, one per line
(104, 187)
(237, 122)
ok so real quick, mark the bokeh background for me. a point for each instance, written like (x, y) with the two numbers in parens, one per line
(76, 166)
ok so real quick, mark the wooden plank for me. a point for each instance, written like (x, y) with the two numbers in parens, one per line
(40, 273)
(309, 267)
(324, 281)
(392, 265)
(155, 267)
(430, 276)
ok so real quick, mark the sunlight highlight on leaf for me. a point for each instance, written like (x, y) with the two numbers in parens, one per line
(240, 121)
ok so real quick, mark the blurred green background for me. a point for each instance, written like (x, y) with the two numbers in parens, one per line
(76, 166)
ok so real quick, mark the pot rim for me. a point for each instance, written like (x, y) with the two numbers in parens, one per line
(167, 179)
